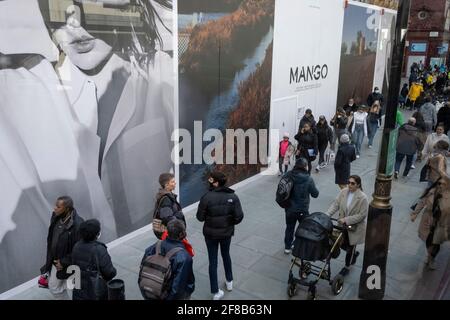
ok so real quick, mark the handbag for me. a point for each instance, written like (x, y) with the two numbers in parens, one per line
(158, 227)
(98, 284)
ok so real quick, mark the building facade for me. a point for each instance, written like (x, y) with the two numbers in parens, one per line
(428, 33)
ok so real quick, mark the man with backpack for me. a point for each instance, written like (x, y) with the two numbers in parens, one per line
(295, 187)
(166, 269)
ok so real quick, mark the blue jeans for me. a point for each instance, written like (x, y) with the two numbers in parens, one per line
(358, 137)
(372, 128)
(398, 162)
(291, 221)
(213, 247)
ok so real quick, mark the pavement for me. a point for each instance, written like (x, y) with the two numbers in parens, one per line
(260, 266)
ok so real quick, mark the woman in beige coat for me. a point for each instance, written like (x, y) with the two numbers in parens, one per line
(352, 206)
(434, 228)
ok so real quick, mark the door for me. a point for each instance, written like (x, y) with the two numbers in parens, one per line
(284, 116)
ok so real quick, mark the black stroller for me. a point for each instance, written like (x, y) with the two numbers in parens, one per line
(317, 239)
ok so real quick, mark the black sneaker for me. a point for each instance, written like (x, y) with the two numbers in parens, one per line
(344, 271)
(355, 256)
(396, 175)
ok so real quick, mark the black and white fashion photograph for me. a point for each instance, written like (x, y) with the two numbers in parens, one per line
(86, 109)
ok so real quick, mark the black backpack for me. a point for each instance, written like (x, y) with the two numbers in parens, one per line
(284, 190)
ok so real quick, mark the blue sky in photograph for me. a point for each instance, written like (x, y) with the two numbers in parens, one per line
(356, 19)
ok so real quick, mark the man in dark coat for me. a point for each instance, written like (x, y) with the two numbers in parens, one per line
(92, 257)
(308, 118)
(221, 210)
(443, 117)
(407, 145)
(182, 280)
(345, 156)
(299, 200)
(376, 95)
(62, 236)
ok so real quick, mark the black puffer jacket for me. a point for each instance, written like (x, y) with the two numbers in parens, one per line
(83, 255)
(170, 208)
(67, 240)
(324, 133)
(221, 210)
(307, 140)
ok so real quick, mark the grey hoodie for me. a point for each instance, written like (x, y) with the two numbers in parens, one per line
(428, 111)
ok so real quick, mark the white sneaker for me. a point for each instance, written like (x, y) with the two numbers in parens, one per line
(370, 147)
(357, 156)
(219, 295)
(413, 166)
(229, 285)
(287, 251)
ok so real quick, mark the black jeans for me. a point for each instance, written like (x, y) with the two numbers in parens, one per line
(322, 149)
(291, 221)
(398, 162)
(348, 248)
(434, 248)
(213, 247)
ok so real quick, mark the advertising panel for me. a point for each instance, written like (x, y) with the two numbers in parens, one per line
(86, 97)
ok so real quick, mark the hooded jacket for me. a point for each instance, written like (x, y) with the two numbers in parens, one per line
(428, 111)
(408, 140)
(303, 188)
(221, 210)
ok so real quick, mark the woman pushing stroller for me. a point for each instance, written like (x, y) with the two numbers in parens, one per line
(352, 205)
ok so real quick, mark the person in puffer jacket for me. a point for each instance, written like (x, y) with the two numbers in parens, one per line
(221, 210)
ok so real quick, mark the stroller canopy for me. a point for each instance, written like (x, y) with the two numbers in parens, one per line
(315, 227)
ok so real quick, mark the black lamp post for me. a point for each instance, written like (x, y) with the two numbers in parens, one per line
(373, 276)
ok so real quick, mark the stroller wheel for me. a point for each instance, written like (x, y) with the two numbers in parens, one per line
(292, 290)
(337, 284)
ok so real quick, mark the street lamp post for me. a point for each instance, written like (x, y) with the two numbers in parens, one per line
(373, 275)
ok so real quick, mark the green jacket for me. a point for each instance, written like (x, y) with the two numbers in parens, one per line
(399, 119)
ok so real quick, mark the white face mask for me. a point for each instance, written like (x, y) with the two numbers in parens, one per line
(99, 235)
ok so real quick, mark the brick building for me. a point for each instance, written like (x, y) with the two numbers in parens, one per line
(428, 33)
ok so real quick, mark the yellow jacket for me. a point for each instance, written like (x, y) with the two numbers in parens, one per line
(415, 91)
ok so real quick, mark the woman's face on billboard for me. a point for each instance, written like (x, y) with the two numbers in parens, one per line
(83, 50)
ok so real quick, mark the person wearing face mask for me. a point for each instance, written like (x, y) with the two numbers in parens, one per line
(220, 210)
(376, 95)
(63, 234)
(434, 227)
(350, 107)
(352, 205)
(92, 257)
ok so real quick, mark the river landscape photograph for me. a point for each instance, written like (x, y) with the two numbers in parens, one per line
(225, 70)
